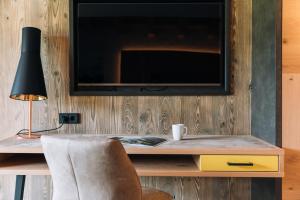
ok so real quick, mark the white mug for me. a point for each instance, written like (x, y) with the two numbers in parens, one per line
(179, 130)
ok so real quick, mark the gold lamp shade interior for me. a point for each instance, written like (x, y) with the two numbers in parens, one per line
(28, 97)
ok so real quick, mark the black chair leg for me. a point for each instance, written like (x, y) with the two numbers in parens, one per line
(19, 190)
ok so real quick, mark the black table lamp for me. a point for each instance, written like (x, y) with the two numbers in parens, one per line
(29, 84)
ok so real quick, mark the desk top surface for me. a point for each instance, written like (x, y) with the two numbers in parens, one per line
(190, 145)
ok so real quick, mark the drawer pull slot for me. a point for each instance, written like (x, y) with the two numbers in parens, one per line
(239, 164)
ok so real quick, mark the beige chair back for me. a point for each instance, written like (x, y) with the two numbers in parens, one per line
(90, 168)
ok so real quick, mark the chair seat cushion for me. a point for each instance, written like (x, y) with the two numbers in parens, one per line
(154, 194)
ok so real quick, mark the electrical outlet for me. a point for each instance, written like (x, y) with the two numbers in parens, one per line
(69, 118)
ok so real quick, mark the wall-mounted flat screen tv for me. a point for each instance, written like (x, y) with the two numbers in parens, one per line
(149, 48)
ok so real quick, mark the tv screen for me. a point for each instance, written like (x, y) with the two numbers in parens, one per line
(170, 67)
(140, 48)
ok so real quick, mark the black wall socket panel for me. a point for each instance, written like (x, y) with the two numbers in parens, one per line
(69, 118)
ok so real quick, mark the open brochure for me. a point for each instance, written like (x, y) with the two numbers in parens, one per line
(140, 140)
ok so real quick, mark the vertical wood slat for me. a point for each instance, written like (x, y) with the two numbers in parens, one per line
(122, 115)
(291, 36)
(290, 98)
(290, 133)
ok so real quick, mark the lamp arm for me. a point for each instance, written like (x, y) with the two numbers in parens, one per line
(30, 118)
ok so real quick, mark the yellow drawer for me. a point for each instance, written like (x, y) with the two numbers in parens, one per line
(251, 163)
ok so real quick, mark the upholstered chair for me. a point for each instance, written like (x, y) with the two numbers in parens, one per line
(93, 168)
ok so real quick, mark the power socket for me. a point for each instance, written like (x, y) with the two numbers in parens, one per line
(69, 118)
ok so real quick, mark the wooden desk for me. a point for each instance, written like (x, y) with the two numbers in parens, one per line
(172, 158)
(22, 157)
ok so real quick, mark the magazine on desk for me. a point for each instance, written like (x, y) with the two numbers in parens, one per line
(140, 140)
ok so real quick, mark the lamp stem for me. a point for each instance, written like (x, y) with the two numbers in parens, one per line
(30, 118)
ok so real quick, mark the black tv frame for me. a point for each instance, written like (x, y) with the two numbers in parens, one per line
(138, 90)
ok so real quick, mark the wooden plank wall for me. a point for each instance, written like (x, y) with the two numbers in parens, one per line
(291, 98)
(121, 115)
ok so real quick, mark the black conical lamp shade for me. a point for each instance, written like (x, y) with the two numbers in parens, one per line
(29, 83)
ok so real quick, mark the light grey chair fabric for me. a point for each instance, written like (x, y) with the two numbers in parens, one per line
(93, 168)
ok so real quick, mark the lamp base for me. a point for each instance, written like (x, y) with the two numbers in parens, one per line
(27, 136)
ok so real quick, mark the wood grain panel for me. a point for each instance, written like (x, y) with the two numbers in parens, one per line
(290, 98)
(121, 115)
(290, 135)
(291, 36)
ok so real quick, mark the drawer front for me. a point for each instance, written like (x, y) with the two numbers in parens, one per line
(245, 163)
